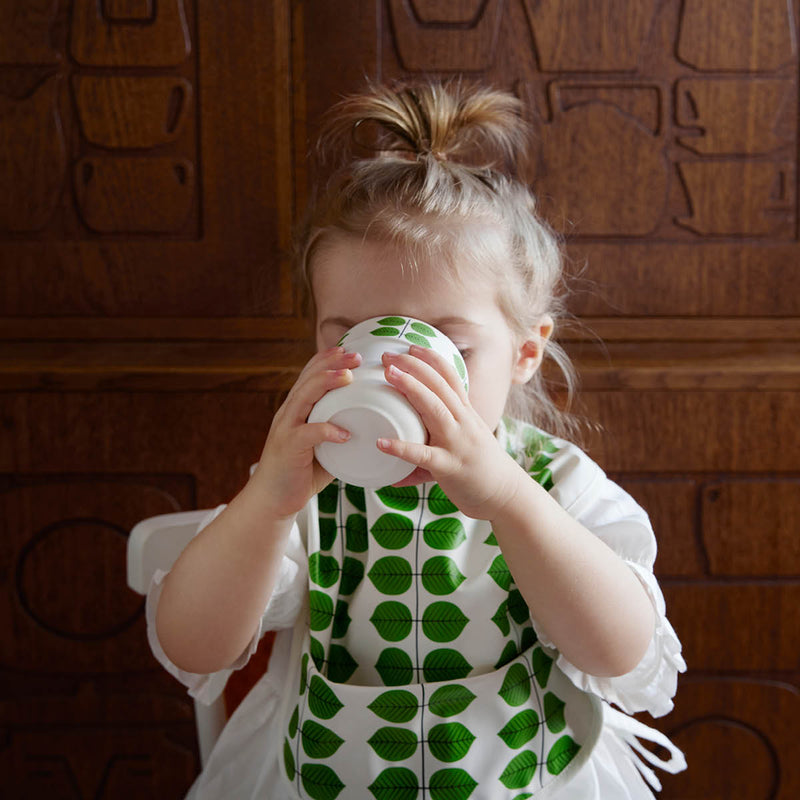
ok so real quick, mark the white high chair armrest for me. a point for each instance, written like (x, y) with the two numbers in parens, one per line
(156, 542)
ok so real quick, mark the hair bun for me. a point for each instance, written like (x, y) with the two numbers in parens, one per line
(451, 122)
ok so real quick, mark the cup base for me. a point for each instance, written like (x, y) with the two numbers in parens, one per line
(379, 412)
(358, 460)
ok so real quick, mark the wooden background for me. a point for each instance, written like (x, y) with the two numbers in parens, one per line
(152, 164)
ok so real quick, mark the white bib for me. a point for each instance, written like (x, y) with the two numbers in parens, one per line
(422, 676)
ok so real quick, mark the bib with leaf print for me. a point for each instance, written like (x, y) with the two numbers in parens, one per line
(422, 676)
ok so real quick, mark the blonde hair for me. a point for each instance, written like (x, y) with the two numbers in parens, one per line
(418, 167)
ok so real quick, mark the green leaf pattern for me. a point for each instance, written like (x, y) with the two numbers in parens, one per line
(554, 713)
(443, 622)
(561, 753)
(447, 701)
(395, 783)
(323, 570)
(341, 665)
(392, 620)
(412, 556)
(441, 575)
(445, 533)
(451, 784)
(395, 667)
(321, 610)
(394, 744)
(391, 575)
(439, 503)
(520, 729)
(414, 332)
(403, 498)
(520, 770)
(321, 699)
(396, 705)
(320, 782)
(319, 741)
(393, 531)
(516, 688)
(450, 741)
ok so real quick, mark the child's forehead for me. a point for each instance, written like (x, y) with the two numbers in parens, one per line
(408, 264)
(351, 289)
(368, 276)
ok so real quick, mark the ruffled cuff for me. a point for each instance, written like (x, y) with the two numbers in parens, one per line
(651, 685)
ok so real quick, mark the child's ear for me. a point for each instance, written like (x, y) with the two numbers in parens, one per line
(531, 350)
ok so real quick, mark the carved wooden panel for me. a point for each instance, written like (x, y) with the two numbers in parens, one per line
(85, 712)
(152, 165)
(685, 126)
(741, 734)
(722, 495)
(142, 174)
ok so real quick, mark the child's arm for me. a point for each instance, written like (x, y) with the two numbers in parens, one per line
(585, 597)
(217, 590)
(587, 600)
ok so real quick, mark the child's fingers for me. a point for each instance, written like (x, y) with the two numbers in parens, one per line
(436, 415)
(330, 371)
(442, 366)
(333, 358)
(428, 375)
(433, 460)
(315, 433)
(314, 389)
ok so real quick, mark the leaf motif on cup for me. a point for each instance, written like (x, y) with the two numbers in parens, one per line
(425, 330)
(421, 341)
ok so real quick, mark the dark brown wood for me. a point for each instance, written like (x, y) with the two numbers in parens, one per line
(740, 731)
(152, 167)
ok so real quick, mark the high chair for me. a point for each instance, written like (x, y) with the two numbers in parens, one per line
(153, 544)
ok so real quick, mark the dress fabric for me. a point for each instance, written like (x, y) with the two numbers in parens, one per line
(397, 588)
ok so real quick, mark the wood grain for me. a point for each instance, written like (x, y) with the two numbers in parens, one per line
(149, 327)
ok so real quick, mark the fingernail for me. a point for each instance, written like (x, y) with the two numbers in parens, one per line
(344, 435)
(393, 371)
(383, 443)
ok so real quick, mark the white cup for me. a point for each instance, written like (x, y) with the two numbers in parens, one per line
(370, 408)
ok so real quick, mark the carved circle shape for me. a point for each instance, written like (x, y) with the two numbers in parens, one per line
(70, 580)
(727, 758)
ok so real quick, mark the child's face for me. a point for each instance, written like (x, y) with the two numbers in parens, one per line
(354, 280)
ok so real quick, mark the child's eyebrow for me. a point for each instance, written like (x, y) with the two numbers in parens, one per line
(343, 321)
(440, 323)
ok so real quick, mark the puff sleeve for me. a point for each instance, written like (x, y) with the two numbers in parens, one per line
(281, 612)
(604, 508)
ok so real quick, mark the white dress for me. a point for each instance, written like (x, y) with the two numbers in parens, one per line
(249, 759)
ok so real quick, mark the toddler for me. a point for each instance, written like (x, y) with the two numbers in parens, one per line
(464, 632)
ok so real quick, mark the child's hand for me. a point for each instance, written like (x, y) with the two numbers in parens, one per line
(287, 472)
(462, 454)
